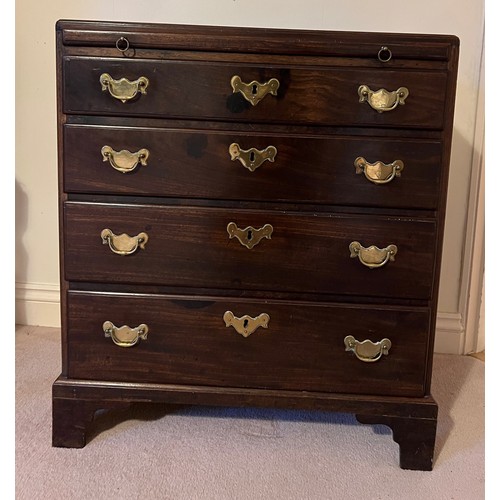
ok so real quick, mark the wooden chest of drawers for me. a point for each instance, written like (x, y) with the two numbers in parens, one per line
(252, 217)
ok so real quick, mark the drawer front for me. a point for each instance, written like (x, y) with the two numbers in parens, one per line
(189, 246)
(198, 164)
(302, 348)
(306, 95)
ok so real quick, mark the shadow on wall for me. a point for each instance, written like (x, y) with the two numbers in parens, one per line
(21, 256)
(455, 234)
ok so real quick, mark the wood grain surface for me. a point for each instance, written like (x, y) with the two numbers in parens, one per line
(190, 246)
(320, 96)
(197, 164)
(302, 348)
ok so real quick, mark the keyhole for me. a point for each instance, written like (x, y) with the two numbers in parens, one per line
(254, 89)
(252, 156)
(245, 323)
(249, 235)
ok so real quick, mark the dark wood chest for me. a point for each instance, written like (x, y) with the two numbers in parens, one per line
(252, 217)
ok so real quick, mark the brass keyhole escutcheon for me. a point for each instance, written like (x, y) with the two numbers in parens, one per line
(254, 91)
(252, 158)
(249, 236)
(246, 325)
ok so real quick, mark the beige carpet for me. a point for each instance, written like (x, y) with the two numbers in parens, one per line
(191, 453)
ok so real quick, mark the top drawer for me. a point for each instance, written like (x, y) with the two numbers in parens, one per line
(304, 94)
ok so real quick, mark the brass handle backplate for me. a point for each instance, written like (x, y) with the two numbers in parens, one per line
(123, 244)
(123, 89)
(246, 325)
(379, 172)
(252, 158)
(373, 256)
(124, 336)
(382, 100)
(124, 161)
(367, 350)
(254, 91)
(249, 237)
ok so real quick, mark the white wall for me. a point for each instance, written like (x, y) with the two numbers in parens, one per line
(36, 179)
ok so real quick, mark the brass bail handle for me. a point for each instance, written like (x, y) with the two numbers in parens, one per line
(383, 100)
(123, 244)
(254, 91)
(379, 172)
(123, 89)
(124, 161)
(367, 351)
(373, 256)
(246, 325)
(124, 336)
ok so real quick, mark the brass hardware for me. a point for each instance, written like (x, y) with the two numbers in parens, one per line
(367, 350)
(379, 172)
(383, 100)
(122, 44)
(254, 91)
(384, 54)
(249, 237)
(373, 256)
(123, 244)
(124, 336)
(124, 161)
(246, 325)
(123, 89)
(252, 158)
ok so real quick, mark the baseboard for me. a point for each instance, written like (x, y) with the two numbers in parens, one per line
(37, 304)
(449, 333)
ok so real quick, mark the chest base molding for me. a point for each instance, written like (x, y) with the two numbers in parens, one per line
(412, 420)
